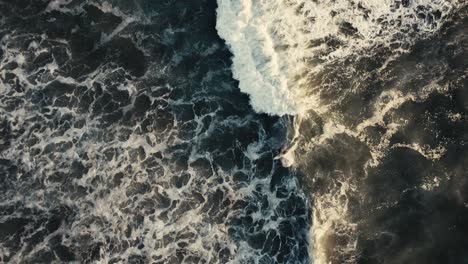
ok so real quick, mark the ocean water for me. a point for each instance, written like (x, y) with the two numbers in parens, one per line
(233, 131)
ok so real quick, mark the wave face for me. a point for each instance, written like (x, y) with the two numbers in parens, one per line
(124, 139)
(378, 93)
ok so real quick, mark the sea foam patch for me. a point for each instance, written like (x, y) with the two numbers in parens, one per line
(264, 62)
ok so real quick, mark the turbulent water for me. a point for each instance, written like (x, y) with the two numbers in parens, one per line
(379, 91)
(233, 131)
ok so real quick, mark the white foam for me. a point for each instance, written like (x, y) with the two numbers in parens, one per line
(279, 45)
(331, 223)
(261, 37)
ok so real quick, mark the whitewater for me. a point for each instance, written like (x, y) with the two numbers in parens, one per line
(280, 47)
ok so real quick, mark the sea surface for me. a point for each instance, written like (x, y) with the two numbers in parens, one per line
(234, 131)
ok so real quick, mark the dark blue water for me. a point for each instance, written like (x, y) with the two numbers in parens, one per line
(124, 139)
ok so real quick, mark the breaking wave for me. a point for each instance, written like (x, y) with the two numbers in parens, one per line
(282, 49)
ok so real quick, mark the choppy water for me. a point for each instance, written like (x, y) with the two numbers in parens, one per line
(233, 131)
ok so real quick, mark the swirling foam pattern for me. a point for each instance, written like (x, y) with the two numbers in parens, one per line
(124, 139)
